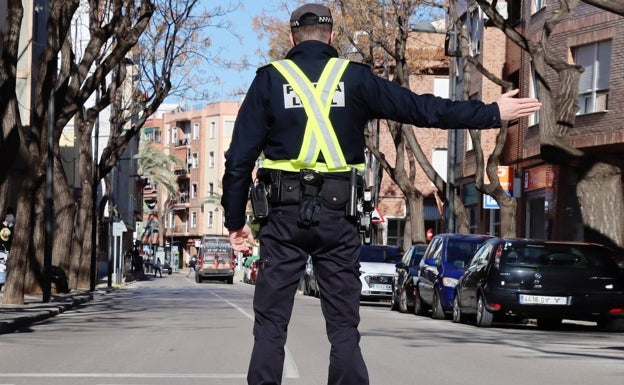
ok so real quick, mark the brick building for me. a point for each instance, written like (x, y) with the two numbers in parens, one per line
(548, 207)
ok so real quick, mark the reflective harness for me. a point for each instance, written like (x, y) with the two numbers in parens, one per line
(319, 133)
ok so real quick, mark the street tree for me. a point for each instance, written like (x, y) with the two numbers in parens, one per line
(164, 40)
(599, 188)
(156, 166)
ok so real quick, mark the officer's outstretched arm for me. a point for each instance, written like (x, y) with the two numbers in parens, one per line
(513, 108)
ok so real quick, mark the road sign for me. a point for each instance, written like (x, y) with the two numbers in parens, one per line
(376, 216)
(119, 228)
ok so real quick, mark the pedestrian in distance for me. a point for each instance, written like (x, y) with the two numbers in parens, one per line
(307, 114)
(6, 232)
(192, 265)
(158, 268)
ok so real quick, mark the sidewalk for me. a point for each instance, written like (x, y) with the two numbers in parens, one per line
(13, 317)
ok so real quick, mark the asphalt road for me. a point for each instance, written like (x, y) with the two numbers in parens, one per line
(174, 331)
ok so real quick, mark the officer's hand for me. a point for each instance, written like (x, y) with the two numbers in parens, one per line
(513, 108)
(242, 239)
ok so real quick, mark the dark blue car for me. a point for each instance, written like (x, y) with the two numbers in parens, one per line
(405, 278)
(443, 263)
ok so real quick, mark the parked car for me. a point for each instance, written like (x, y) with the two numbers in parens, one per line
(404, 279)
(3, 265)
(250, 269)
(377, 265)
(310, 284)
(444, 261)
(510, 279)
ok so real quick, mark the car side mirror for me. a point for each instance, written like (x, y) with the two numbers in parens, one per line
(459, 264)
(401, 265)
(431, 262)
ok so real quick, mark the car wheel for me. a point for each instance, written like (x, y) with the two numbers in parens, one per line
(306, 287)
(484, 316)
(548, 323)
(403, 306)
(394, 304)
(457, 316)
(438, 310)
(230, 280)
(197, 278)
(419, 307)
(611, 325)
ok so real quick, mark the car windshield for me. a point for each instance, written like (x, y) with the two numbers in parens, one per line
(387, 254)
(461, 250)
(555, 255)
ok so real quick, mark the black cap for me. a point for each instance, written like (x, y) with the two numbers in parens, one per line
(310, 14)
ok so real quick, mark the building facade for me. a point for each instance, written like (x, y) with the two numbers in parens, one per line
(199, 138)
(548, 206)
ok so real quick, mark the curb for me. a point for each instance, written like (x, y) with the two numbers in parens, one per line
(17, 317)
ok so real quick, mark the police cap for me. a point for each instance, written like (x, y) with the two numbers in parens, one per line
(310, 14)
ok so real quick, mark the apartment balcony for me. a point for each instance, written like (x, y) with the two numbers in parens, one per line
(182, 142)
(182, 200)
(183, 172)
(183, 230)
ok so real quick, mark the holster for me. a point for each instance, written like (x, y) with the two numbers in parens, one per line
(259, 200)
(310, 204)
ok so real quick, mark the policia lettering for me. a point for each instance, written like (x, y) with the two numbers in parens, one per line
(319, 136)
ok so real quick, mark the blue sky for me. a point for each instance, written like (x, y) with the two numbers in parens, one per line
(228, 45)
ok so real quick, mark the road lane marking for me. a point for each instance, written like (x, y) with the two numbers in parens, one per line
(290, 366)
(125, 375)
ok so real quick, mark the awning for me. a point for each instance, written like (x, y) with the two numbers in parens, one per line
(431, 213)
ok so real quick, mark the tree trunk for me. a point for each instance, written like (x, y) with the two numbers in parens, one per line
(416, 228)
(600, 196)
(64, 214)
(21, 260)
(461, 216)
(509, 208)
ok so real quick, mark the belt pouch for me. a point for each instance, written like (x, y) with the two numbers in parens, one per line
(335, 193)
(290, 191)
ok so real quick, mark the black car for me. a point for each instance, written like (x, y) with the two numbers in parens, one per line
(512, 279)
(405, 276)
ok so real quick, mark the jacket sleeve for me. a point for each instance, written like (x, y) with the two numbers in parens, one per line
(250, 130)
(398, 103)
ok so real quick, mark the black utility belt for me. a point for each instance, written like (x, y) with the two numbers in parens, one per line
(335, 190)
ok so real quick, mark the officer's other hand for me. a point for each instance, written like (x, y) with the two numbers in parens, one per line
(512, 108)
(242, 239)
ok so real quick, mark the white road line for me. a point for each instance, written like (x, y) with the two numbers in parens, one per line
(124, 375)
(290, 366)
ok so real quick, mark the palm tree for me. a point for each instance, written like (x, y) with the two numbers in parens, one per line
(156, 166)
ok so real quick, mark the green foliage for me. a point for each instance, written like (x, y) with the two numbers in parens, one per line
(157, 166)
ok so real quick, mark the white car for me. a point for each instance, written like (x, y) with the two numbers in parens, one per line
(377, 267)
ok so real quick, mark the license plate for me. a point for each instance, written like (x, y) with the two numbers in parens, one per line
(377, 286)
(542, 300)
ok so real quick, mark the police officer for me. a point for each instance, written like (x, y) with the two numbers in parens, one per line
(307, 115)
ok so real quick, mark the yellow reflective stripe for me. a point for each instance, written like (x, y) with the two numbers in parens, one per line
(305, 90)
(317, 104)
(326, 89)
(293, 166)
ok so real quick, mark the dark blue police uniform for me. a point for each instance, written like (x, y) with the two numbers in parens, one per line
(269, 122)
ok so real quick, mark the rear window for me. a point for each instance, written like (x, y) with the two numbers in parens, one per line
(461, 250)
(380, 254)
(574, 256)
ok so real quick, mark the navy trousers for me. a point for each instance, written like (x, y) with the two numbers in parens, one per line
(284, 248)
